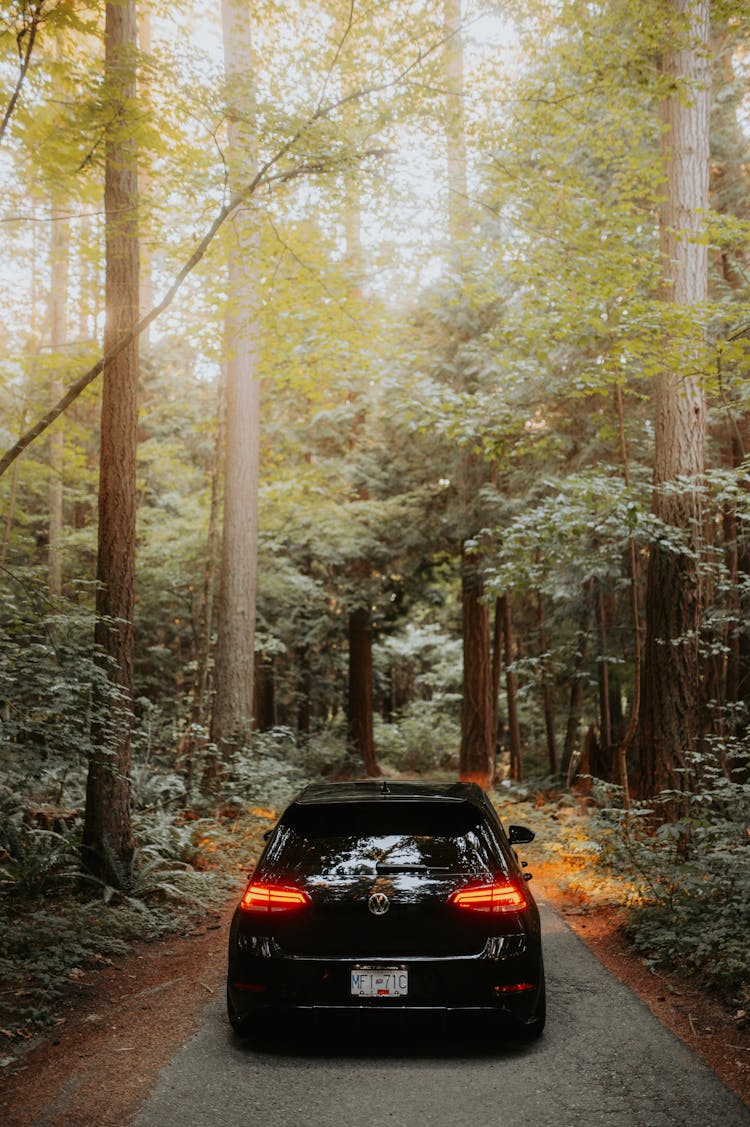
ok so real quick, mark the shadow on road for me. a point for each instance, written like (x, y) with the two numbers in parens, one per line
(384, 1037)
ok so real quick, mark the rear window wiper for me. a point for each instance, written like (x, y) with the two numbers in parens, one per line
(396, 867)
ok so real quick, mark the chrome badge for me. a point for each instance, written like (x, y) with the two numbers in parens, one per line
(378, 903)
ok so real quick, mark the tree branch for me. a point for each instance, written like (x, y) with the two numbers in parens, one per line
(28, 32)
(264, 176)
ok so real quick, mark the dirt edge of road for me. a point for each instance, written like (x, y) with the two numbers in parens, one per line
(122, 1026)
(127, 1021)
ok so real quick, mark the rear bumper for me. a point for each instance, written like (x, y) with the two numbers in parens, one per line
(510, 985)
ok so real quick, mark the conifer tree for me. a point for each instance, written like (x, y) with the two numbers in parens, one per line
(107, 835)
(671, 686)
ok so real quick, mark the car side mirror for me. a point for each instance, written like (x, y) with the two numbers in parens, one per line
(520, 835)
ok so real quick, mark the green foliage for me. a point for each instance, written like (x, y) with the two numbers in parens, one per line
(34, 862)
(692, 876)
(269, 772)
(424, 741)
(46, 673)
(683, 882)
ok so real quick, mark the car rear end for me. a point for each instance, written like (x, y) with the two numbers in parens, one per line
(389, 897)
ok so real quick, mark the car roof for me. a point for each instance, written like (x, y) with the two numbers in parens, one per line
(369, 790)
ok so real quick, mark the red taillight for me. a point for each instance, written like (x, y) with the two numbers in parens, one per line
(494, 897)
(273, 898)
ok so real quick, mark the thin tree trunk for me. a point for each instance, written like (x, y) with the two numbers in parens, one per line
(547, 701)
(107, 846)
(477, 754)
(605, 719)
(359, 698)
(624, 744)
(497, 668)
(359, 708)
(202, 704)
(264, 709)
(511, 686)
(209, 575)
(575, 708)
(58, 334)
(304, 687)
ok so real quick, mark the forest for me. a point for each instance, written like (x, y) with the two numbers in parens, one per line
(375, 400)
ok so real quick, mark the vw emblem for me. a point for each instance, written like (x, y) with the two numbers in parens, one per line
(378, 903)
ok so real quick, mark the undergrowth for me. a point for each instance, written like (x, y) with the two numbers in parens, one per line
(55, 927)
(56, 923)
(683, 884)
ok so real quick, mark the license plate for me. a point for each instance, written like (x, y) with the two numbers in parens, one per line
(379, 982)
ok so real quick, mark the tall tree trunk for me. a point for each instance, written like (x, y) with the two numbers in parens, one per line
(625, 741)
(729, 196)
(107, 846)
(202, 680)
(58, 335)
(478, 710)
(235, 651)
(671, 686)
(202, 703)
(359, 701)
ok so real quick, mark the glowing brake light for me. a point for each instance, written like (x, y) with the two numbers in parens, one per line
(273, 898)
(489, 898)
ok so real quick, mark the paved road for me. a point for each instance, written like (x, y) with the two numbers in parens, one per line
(603, 1059)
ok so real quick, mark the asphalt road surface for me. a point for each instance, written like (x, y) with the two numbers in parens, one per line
(603, 1059)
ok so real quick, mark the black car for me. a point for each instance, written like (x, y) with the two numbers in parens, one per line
(388, 896)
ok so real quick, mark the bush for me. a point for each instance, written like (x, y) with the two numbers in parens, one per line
(692, 877)
(426, 739)
(684, 883)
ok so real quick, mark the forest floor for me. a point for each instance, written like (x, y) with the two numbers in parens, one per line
(123, 1023)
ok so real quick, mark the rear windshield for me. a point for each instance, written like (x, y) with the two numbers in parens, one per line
(370, 838)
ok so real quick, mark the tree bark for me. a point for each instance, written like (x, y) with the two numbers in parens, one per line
(547, 701)
(605, 768)
(107, 846)
(477, 754)
(511, 686)
(671, 685)
(231, 719)
(58, 335)
(359, 698)
(497, 668)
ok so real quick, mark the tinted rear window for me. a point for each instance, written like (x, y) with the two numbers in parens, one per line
(357, 838)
